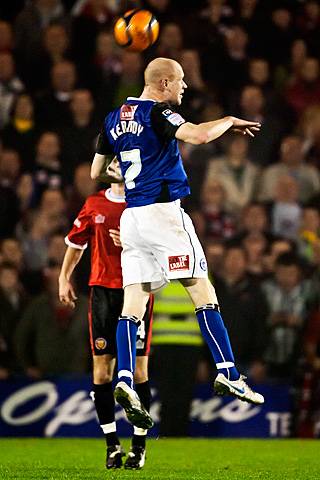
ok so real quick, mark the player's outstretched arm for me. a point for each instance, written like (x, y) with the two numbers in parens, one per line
(67, 294)
(209, 131)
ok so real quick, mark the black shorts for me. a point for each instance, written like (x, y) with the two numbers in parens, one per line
(105, 306)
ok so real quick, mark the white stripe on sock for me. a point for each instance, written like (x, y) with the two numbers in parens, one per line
(125, 373)
(109, 427)
(129, 342)
(206, 323)
(224, 365)
(141, 432)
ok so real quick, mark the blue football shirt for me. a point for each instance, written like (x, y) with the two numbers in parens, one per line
(141, 133)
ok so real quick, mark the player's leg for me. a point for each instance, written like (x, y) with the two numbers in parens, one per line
(203, 295)
(104, 307)
(137, 455)
(134, 307)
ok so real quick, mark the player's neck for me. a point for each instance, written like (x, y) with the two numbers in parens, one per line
(117, 189)
(150, 93)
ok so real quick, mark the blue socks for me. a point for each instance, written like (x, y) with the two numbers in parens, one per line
(215, 334)
(126, 347)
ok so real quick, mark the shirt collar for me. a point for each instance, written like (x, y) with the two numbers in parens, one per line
(114, 198)
(141, 99)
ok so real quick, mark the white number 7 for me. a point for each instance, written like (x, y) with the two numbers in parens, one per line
(133, 171)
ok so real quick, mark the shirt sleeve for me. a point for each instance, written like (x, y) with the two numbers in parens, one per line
(165, 120)
(79, 235)
(103, 145)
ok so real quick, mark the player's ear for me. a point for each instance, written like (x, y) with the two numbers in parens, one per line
(163, 84)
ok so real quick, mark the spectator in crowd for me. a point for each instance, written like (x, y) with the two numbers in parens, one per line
(12, 302)
(53, 105)
(170, 42)
(254, 220)
(130, 80)
(215, 251)
(308, 414)
(47, 172)
(309, 235)
(54, 49)
(236, 173)
(309, 126)
(213, 221)
(285, 209)
(29, 25)
(280, 34)
(288, 73)
(255, 246)
(39, 225)
(79, 136)
(196, 95)
(234, 63)
(289, 298)
(21, 131)
(176, 341)
(10, 86)
(82, 187)
(105, 72)
(277, 247)
(9, 207)
(291, 163)
(253, 107)
(11, 252)
(6, 37)
(89, 18)
(56, 248)
(305, 90)
(48, 332)
(244, 309)
(308, 23)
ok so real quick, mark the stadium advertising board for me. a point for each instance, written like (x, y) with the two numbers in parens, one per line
(63, 408)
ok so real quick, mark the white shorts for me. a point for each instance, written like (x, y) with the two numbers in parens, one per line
(159, 244)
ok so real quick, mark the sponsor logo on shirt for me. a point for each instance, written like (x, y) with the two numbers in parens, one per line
(127, 112)
(167, 112)
(99, 218)
(77, 223)
(176, 119)
(179, 262)
(100, 343)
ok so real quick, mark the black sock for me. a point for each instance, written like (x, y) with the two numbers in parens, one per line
(143, 390)
(104, 403)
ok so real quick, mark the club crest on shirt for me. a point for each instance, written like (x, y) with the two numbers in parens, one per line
(127, 112)
(203, 264)
(178, 262)
(100, 343)
(99, 218)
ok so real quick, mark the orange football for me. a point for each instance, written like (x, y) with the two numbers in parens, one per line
(136, 30)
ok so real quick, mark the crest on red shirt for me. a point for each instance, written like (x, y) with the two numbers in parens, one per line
(178, 262)
(127, 112)
(99, 218)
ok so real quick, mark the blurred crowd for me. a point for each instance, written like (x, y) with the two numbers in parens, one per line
(255, 202)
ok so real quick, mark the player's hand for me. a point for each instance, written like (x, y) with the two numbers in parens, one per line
(115, 235)
(67, 294)
(245, 127)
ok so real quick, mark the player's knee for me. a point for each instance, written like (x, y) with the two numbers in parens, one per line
(102, 374)
(140, 374)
